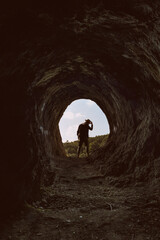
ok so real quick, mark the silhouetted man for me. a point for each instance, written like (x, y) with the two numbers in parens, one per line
(82, 134)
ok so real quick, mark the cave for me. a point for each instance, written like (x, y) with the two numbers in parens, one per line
(106, 52)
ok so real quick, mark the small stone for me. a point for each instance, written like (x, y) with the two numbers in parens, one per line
(39, 234)
(44, 201)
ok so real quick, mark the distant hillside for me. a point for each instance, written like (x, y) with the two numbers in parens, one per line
(94, 144)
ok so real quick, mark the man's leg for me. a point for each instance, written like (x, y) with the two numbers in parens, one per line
(87, 147)
(79, 147)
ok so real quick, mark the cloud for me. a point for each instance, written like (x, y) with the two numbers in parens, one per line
(79, 115)
(71, 133)
(90, 103)
(70, 115)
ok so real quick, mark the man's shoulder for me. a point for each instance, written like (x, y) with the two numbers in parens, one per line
(81, 125)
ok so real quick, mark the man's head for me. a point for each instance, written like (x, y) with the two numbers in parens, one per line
(87, 121)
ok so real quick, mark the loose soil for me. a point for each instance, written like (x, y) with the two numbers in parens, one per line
(82, 204)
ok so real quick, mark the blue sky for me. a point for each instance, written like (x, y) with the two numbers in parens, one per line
(76, 113)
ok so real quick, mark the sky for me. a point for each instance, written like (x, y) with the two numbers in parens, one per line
(76, 113)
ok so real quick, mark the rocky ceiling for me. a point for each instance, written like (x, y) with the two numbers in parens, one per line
(108, 53)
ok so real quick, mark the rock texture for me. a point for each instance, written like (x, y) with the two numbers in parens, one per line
(108, 53)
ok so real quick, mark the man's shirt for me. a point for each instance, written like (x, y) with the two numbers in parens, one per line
(83, 130)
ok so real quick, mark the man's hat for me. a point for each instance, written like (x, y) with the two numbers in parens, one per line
(88, 120)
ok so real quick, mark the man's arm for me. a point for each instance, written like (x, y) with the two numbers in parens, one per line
(91, 127)
(78, 131)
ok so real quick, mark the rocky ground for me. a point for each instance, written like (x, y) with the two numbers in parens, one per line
(81, 204)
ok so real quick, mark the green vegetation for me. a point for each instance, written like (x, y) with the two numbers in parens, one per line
(94, 144)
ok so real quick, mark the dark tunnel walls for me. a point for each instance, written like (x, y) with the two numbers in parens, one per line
(108, 56)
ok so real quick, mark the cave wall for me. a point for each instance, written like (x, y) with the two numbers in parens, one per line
(108, 53)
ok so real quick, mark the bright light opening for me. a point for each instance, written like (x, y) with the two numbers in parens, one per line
(76, 113)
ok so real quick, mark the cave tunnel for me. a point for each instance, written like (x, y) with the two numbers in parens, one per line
(104, 55)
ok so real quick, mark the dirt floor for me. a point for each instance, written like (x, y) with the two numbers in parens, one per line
(81, 204)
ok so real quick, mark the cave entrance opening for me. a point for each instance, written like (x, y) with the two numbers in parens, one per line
(75, 114)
